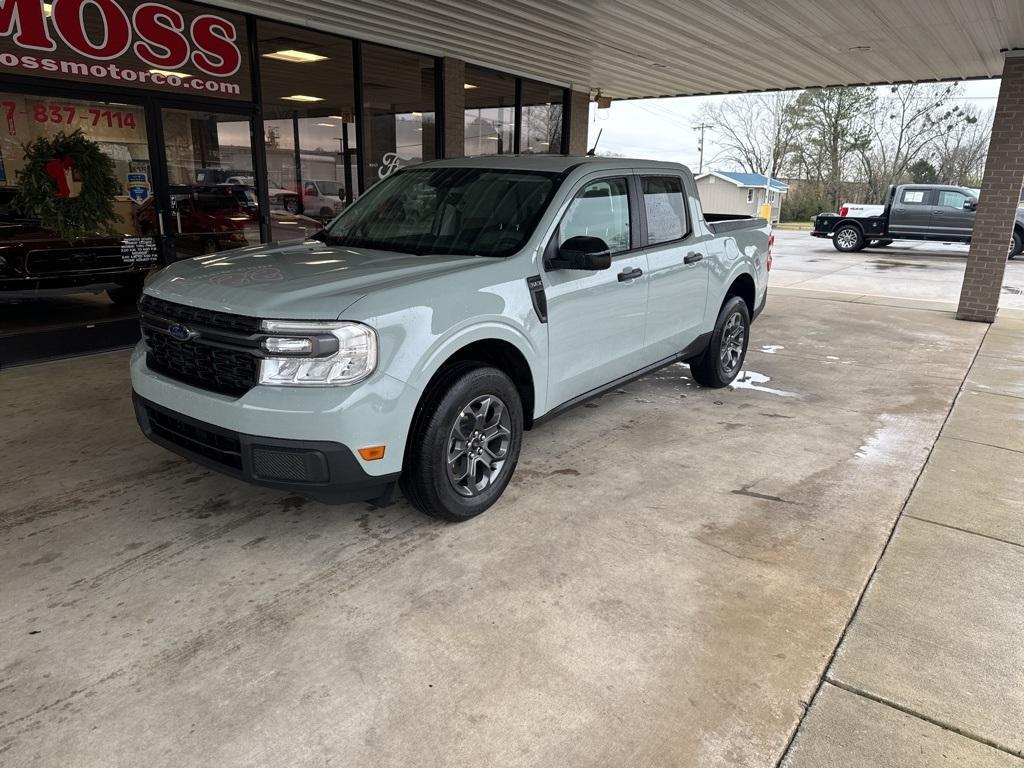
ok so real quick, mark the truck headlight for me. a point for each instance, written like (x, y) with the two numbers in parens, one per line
(316, 354)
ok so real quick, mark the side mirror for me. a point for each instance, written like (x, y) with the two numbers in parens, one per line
(583, 252)
(970, 205)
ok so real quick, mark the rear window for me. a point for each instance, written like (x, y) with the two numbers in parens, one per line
(665, 208)
(913, 196)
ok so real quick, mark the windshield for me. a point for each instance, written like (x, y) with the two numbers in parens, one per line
(457, 211)
(329, 188)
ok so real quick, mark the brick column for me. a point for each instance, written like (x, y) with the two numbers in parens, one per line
(578, 122)
(453, 98)
(997, 206)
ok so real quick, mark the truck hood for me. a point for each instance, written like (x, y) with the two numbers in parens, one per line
(298, 280)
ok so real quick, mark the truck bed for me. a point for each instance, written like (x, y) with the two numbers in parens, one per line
(722, 223)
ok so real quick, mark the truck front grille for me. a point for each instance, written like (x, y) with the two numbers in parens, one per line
(221, 356)
(61, 261)
(221, 446)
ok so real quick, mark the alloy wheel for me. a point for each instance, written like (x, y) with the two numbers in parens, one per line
(847, 237)
(734, 335)
(478, 445)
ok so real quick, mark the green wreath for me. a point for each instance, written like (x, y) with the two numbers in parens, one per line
(39, 194)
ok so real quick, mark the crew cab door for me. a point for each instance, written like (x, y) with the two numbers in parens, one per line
(596, 319)
(911, 212)
(949, 217)
(678, 262)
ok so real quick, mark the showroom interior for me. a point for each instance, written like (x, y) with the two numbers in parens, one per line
(305, 123)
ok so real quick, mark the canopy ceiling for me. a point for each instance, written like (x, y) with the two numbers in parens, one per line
(645, 48)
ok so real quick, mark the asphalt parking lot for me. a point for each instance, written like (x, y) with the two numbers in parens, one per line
(913, 270)
(664, 583)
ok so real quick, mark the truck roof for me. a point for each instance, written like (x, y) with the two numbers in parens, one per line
(555, 163)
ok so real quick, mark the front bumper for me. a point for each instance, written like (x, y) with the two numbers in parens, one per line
(323, 470)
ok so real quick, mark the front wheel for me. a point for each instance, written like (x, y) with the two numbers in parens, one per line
(1016, 245)
(464, 444)
(721, 362)
(848, 238)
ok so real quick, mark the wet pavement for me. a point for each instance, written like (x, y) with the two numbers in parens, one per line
(906, 269)
(664, 582)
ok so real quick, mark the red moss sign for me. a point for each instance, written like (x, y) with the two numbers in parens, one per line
(169, 45)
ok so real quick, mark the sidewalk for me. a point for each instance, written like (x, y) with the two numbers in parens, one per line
(930, 670)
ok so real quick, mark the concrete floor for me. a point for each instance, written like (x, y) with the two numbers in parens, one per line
(664, 583)
(909, 269)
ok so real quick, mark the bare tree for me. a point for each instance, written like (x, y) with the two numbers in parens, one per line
(959, 152)
(756, 132)
(905, 128)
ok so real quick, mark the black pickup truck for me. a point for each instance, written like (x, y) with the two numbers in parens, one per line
(935, 212)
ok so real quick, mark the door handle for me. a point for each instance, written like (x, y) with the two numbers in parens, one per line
(630, 274)
(692, 257)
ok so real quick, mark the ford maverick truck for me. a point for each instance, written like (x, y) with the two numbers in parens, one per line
(453, 306)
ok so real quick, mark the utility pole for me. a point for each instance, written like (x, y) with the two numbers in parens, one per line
(700, 144)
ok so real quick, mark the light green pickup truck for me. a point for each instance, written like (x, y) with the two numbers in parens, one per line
(453, 306)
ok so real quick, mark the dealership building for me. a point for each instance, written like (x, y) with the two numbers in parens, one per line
(225, 130)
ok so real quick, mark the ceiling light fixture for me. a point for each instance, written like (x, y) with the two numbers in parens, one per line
(468, 86)
(295, 57)
(328, 125)
(301, 97)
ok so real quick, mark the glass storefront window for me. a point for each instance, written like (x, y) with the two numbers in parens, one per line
(57, 271)
(212, 183)
(398, 110)
(542, 119)
(309, 125)
(490, 115)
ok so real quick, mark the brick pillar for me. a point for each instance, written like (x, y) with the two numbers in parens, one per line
(579, 122)
(997, 206)
(454, 99)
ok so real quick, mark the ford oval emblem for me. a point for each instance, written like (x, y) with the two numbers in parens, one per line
(179, 332)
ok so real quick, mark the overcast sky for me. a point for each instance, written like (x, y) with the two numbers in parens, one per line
(662, 129)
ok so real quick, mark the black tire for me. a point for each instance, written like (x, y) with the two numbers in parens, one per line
(426, 479)
(711, 368)
(1017, 244)
(291, 205)
(848, 238)
(326, 213)
(125, 295)
(209, 246)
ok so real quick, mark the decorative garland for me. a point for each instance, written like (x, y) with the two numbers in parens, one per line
(44, 192)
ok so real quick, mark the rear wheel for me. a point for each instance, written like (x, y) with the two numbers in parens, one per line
(848, 238)
(721, 362)
(464, 444)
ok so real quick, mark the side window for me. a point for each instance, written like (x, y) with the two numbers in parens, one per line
(913, 196)
(665, 208)
(600, 209)
(948, 198)
(750, 195)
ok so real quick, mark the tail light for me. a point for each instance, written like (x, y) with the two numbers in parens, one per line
(771, 244)
(844, 211)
